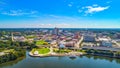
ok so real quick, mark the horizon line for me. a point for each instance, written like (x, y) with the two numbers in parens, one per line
(56, 27)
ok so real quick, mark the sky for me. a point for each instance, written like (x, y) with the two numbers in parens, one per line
(59, 13)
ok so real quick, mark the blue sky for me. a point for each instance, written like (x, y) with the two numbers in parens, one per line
(59, 13)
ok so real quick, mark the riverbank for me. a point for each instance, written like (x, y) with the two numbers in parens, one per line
(117, 57)
(64, 62)
(104, 53)
(56, 54)
(72, 54)
(13, 61)
(107, 53)
(11, 55)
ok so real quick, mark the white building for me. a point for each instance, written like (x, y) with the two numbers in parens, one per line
(105, 42)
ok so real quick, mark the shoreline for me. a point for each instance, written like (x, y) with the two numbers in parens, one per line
(56, 54)
(104, 56)
(18, 59)
(68, 54)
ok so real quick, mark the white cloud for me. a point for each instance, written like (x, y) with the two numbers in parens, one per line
(108, 2)
(95, 5)
(93, 9)
(70, 5)
(18, 12)
(80, 11)
(60, 25)
(63, 22)
(54, 16)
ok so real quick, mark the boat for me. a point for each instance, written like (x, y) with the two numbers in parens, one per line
(72, 56)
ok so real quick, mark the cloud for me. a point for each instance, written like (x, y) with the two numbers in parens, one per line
(93, 9)
(70, 5)
(18, 13)
(108, 2)
(2, 2)
(63, 22)
(2, 5)
(80, 11)
(54, 16)
(60, 25)
(95, 5)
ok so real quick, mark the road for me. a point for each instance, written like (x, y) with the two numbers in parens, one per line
(116, 43)
(77, 45)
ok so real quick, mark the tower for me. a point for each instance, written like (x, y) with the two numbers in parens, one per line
(56, 31)
(12, 37)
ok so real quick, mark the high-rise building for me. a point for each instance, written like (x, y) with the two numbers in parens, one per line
(89, 38)
(56, 31)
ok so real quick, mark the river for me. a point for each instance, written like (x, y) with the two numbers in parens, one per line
(63, 62)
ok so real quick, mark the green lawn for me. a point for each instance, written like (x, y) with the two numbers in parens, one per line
(41, 42)
(62, 50)
(30, 36)
(42, 50)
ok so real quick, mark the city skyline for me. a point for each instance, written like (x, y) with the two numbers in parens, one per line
(62, 14)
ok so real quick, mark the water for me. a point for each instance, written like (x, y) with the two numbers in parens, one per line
(63, 62)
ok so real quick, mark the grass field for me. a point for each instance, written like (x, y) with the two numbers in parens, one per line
(42, 50)
(41, 42)
(61, 50)
(30, 36)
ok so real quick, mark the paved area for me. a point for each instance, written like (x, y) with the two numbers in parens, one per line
(102, 48)
(2, 53)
